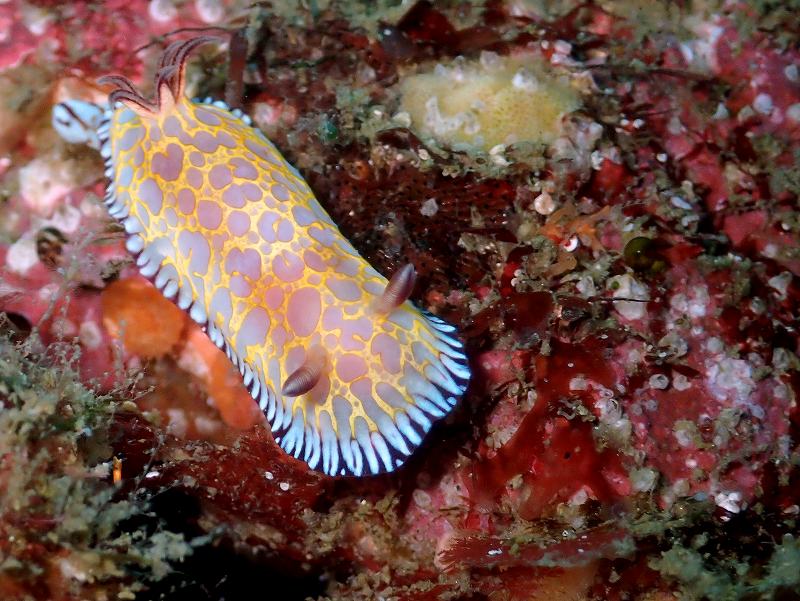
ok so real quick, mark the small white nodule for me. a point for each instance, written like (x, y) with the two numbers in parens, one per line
(77, 122)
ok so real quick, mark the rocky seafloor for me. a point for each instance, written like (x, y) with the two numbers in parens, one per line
(603, 196)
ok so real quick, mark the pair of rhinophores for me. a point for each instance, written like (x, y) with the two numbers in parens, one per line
(348, 372)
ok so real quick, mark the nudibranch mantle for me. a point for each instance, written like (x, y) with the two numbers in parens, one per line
(232, 233)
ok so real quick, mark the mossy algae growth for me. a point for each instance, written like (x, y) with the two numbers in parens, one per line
(66, 526)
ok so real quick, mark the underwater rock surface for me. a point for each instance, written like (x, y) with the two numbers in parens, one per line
(626, 286)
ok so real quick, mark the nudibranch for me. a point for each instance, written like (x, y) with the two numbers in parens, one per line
(349, 373)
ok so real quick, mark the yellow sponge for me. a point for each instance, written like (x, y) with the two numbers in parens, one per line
(480, 104)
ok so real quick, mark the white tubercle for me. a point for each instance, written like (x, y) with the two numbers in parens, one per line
(134, 244)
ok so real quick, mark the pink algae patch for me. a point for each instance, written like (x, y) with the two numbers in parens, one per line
(556, 457)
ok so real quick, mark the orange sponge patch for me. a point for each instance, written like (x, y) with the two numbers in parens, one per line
(135, 312)
(223, 383)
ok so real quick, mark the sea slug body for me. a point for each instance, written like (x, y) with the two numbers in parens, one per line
(348, 372)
